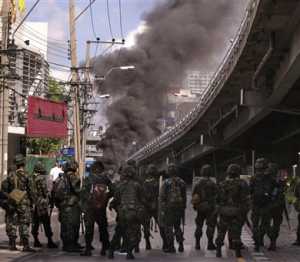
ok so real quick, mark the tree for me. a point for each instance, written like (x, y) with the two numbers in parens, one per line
(48, 145)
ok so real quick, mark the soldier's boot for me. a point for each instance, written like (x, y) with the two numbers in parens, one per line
(181, 247)
(197, 243)
(37, 242)
(219, 251)
(87, 252)
(137, 249)
(12, 245)
(148, 244)
(105, 247)
(26, 246)
(272, 246)
(51, 244)
(297, 242)
(72, 249)
(211, 245)
(110, 253)
(256, 247)
(170, 249)
(238, 252)
(130, 255)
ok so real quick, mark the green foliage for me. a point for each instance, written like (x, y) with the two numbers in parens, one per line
(44, 146)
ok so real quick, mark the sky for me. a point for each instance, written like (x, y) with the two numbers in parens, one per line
(55, 12)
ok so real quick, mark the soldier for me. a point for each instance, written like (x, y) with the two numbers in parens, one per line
(204, 201)
(41, 206)
(95, 193)
(277, 207)
(297, 208)
(128, 200)
(262, 186)
(17, 189)
(151, 186)
(66, 196)
(173, 204)
(234, 205)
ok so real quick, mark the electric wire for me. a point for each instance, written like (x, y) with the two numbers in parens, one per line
(108, 18)
(121, 19)
(92, 19)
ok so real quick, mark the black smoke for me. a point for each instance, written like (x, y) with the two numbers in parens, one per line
(180, 35)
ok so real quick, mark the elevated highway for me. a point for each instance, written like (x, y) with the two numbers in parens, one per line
(252, 105)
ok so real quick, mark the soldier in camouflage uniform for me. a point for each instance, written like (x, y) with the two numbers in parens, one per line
(151, 187)
(233, 200)
(204, 198)
(277, 206)
(41, 206)
(67, 196)
(262, 187)
(17, 188)
(92, 213)
(297, 208)
(173, 203)
(128, 200)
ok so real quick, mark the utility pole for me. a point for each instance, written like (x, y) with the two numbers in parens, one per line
(75, 85)
(5, 17)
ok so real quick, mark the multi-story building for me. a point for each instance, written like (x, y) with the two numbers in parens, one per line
(196, 82)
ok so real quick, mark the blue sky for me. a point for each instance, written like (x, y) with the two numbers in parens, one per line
(55, 12)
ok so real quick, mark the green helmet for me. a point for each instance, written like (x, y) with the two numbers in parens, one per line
(151, 170)
(39, 168)
(19, 159)
(261, 163)
(70, 165)
(128, 171)
(234, 169)
(206, 171)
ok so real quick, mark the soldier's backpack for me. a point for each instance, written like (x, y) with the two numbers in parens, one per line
(175, 198)
(17, 195)
(206, 196)
(98, 196)
(61, 188)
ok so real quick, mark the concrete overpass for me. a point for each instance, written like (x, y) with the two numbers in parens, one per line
(252, 105)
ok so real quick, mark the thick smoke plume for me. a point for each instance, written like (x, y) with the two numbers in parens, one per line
(180, 35)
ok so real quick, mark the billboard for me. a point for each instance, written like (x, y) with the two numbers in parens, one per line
(46, 118)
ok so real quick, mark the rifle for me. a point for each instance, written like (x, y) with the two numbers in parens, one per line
(286, 213)
(183, 221)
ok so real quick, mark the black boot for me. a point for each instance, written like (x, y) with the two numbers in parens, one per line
(51, 244)
(130, 255)
(12, 245)
(219, 251)
(272, 246)
(181, 247)
(197, 244)
(87, 252)
(170, 249)
(211, 245)
(238, 252)
(26, 247)
(137, 249)
(110, 254)
(148, 244)
(37, 242)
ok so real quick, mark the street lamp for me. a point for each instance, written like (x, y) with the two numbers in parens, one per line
(102, 78)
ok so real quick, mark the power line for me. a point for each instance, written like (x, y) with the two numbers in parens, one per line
(120, 16)
(108, 18)
(92, 20)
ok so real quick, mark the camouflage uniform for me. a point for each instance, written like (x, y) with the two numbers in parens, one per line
(128, 199)
(19, 214)
(41, 206)
(151, 186)
(92, 214)
(233, 200)
(69, 208)
(277, 207)
(173, 214)
(204, 198)
(262, 187)
(297, 207)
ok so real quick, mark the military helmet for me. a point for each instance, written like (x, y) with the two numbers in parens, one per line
(234, 169)
(151, 169)
(97, 167)
(39, 168)
(206, 170)
(70, 165)
(172, 169)
(261, 163)
(128, 171)
(19, 159)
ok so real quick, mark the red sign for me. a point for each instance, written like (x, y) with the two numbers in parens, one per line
(46, 118)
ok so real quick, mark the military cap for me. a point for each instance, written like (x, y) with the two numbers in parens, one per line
(234, 169)
(128, 171)
(206, 170)
(19, 159)
(39, 168)
(151, 169)
(70, 165)
(261, 163)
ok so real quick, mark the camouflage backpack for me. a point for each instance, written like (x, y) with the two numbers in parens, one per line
(61, 188)
(175, 198)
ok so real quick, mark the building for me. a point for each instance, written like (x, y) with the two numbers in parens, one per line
(196, 82)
